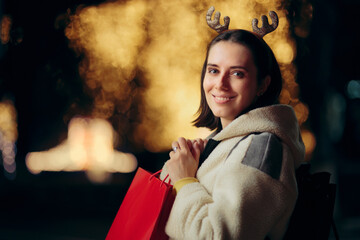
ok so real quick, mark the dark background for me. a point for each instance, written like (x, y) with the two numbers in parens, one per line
(38, 72)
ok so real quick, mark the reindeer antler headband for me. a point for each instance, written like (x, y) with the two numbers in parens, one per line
(265, 29)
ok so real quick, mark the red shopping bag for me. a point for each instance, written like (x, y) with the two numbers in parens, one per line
(145, 209)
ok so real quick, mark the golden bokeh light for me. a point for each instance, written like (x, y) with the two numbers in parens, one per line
(8, 137)
(284, 52)
(89, 147)
(110, 37)
(8, 121)
(163, 44)
(310, 143)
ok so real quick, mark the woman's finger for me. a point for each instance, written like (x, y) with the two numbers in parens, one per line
(201, 143)
(175, 146)
(183, 144)
(197, 150)
(189, 143)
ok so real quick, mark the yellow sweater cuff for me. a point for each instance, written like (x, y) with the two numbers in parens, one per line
(182, 182)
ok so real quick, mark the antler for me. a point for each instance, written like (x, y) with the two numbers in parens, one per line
(215, 24)
(266, 28)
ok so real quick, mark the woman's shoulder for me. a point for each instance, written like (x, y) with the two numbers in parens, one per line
(264, 153)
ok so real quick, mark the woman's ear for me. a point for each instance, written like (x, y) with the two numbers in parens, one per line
(264, 85)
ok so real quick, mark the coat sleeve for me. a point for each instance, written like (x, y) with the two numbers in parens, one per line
(246, 201)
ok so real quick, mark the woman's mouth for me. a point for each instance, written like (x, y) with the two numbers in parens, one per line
(222, 99)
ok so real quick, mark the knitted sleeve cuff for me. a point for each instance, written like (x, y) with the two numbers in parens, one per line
(182, 182)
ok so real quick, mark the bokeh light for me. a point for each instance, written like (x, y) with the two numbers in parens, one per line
(310, 143)
(353, 89)
(89, 147)
(8, 137)
(5, 27)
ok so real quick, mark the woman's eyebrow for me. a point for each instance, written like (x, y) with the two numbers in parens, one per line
(232, 67)
(235, 67)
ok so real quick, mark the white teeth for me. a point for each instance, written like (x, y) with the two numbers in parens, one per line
(222, 98)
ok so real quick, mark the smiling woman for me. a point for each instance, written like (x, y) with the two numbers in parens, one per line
(239, 183)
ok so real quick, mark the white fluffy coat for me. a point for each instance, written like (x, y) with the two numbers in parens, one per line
(235, 201)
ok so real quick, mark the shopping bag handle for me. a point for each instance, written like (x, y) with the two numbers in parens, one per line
(158, 173)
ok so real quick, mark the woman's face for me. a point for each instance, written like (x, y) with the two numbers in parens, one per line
(230, 82)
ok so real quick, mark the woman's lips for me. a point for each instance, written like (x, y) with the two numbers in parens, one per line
(222, 99)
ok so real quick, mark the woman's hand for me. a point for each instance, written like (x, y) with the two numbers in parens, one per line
(201, 142)
(184, 161)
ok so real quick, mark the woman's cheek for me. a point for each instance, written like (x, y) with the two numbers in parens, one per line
(206, 84)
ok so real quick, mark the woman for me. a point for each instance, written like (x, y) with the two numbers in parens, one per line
(246, 187)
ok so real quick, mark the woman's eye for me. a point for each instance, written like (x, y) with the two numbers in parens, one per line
(213, 71)
(239, 74)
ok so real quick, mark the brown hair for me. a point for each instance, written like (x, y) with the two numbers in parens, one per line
(265, 63)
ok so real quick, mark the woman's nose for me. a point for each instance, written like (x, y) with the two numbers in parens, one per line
(222, 81)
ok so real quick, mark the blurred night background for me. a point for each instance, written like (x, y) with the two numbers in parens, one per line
(40, 80)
